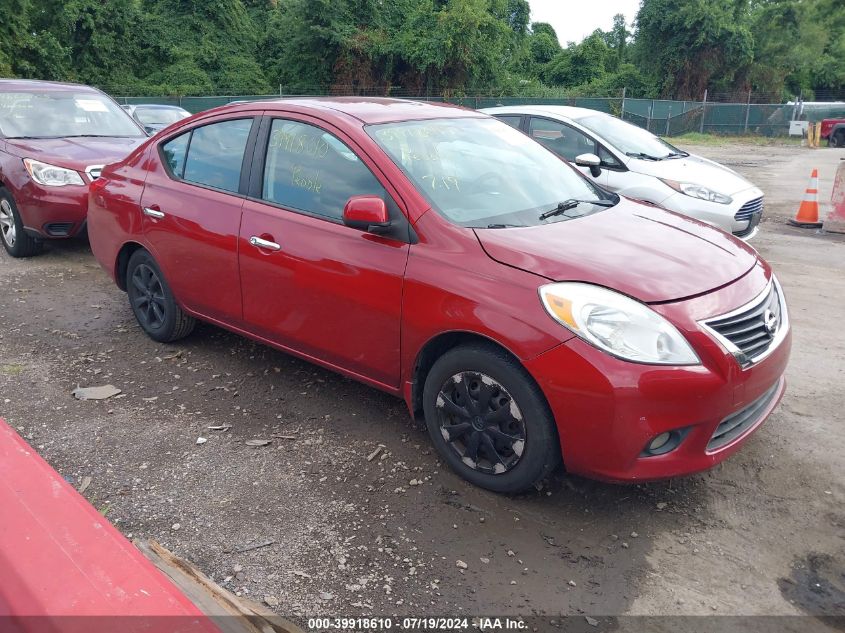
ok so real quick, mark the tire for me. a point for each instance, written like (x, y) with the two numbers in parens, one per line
(836, 139)
(525, 446)
(152, 301)
(16, 242)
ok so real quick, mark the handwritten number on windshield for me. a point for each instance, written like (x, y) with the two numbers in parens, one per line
(442, 182)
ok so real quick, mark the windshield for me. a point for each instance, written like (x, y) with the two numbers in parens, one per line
(160, 116)
(57, 114)
(630, 139)
(482, 173)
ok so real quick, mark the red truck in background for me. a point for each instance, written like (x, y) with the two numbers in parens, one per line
(834, 131)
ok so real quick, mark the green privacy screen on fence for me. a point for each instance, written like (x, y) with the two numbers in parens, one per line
(660, 116)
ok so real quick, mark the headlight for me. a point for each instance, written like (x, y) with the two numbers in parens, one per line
(50, 175)
(698, 191)
(617, 324)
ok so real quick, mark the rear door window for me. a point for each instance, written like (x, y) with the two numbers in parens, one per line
(216, 154)
(174, 152)
(514, 120)
(211, 155)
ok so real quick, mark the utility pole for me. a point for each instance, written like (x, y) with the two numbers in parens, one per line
(622, 116)
(703, 110)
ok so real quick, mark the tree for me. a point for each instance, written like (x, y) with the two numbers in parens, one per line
(518, 16)
(690, 45)
(459, 45)
(618, 42)
(544, 27)
(802, 44)
(13, 31)
(101, 38)
(579, 63)
(303, 42)
(679, 47)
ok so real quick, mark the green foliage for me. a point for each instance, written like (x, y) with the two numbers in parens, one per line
(617, 40)
(627, 77)
(690, 45)
(678, 49)
(538, 28)
(544, 48)
(519, 16)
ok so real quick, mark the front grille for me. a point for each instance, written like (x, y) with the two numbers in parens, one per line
(753, 329)
(749, 209)
(94, 171)
(738, 423)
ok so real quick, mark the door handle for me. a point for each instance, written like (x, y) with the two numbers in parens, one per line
(265, 244)
(153, 213)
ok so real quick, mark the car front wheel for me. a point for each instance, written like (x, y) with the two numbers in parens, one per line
(489, 420)
(153, 302)
(16, 242)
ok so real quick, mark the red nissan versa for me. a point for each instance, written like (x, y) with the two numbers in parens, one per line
(54, 140)
(442, 256)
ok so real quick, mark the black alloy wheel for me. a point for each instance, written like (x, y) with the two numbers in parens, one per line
(481, 422)
(152, 301)
(489, 420)
(148, 297)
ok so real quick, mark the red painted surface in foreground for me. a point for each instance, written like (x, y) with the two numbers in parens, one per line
(64, 568)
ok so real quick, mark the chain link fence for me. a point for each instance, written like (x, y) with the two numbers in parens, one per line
(660, 116)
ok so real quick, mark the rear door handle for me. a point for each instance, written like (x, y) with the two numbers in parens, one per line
(265, 244)
(153, 213)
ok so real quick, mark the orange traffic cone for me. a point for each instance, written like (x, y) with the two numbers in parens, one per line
(808, 212)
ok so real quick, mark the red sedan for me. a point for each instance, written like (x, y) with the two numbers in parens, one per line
(54, 140)
(444, 257)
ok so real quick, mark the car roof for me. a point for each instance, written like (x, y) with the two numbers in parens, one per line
(569, 112)
(35, 85)
(368, 110)
(157, 106)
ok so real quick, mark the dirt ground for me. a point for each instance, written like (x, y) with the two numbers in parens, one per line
(762, 534)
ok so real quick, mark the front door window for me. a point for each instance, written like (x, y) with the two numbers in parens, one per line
(563, 140)
(311, 170)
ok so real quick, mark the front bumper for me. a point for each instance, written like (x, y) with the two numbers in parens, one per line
(723, 216)
(608, 410)
(53, 212)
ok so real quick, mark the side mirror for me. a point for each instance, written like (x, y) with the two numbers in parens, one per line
(592, 161)
(366, 213)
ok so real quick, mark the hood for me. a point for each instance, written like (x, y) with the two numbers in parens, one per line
(74, 153)
(644, 252)
(693, 169)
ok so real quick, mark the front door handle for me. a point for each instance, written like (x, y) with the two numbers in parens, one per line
(153, 213)
(265, 244)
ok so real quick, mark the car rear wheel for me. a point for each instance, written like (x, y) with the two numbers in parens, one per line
(489, 420)
(16, 242)
(153, 302)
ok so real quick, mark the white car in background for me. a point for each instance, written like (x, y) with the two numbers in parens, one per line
(630, 161)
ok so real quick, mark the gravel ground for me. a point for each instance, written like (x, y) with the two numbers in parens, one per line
(762, 534)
